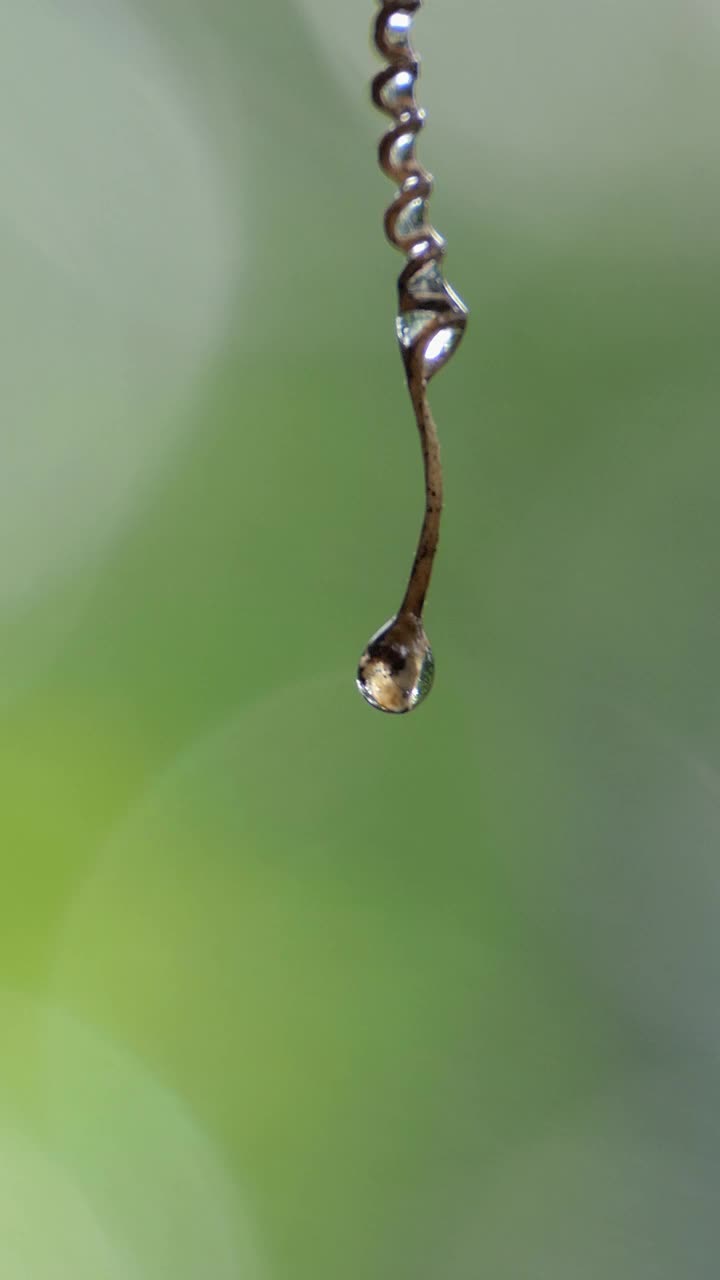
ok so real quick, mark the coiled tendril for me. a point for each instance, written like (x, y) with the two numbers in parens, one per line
(396, 669)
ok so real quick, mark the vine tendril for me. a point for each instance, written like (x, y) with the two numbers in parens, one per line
(396, 670)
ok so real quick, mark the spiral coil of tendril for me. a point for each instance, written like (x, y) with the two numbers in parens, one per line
(432, 318)
(396, 670)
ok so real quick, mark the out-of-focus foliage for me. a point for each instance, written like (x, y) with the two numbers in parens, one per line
(290, 989)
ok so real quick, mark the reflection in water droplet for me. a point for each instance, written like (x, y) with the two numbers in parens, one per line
(402, 152)
(428, 281)
(439, 349)
(409, 325)
(397, 668)
(411, 219)
(399, 92)
(398, 30)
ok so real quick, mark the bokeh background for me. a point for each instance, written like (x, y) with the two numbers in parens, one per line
(288, 988)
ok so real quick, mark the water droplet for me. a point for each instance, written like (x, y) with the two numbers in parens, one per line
(397, 668)
(439, 349)
(411, 220)
(398, 94)
(402, 152)
(397, 30)
(428, 280)
(409, 325)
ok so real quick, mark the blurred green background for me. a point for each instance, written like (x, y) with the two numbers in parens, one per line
(288, 988)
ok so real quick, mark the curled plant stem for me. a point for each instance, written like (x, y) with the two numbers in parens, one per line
(396, 669)
(435, 318)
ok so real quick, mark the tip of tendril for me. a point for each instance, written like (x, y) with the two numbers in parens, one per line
(397, 668)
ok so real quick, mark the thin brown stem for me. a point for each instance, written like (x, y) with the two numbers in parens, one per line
(429, 310)
(421, 572)
(396, 670)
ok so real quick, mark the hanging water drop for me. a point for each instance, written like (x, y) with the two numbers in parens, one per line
(396, 670)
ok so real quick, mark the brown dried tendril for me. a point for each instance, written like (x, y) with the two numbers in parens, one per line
(396, 670)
